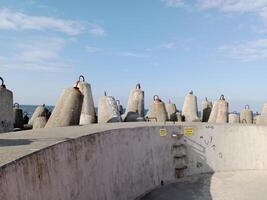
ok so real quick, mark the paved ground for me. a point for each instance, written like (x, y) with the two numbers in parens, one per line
(15, 145)
(239, 185)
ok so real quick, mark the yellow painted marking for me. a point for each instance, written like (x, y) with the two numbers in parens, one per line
(163, 132)
(188, 131)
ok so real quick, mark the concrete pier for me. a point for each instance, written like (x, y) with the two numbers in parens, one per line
(128, 160)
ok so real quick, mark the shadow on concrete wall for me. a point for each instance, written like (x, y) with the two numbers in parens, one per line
(188, 188)
(14, 142)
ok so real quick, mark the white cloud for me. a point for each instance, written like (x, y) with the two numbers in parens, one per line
(234, 5)
(248, 51)
(169, 45)
(97, 31)
(38, 66)
(91, 49)
(42, 54)
(19, 21)
(130, 54)
(40, 49)
(174, 3)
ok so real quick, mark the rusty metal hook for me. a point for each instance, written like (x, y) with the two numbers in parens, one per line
(222, 97)
(3, 83)
(156, 98)
(81, 76)
(16, 105)
(138, 86)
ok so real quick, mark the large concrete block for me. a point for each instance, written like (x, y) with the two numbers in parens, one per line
(108, 110)
(157, 110)
(88, 114)
(6, 108)
(18, 120)
(171, 111)
(39, 122)
(234, 118)
(190, 109)
(206, 109)
(67, 110)
(219, 112)
(246, 115)
(135, 106)
(40, 111)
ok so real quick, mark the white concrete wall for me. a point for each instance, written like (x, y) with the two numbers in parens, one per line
(124, 163)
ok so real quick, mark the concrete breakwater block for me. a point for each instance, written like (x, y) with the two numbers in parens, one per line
(6, 108)
(67, 111)
(157, 110)
(18, 120)
(190, 108)
(219, 112)
(171, 111)
(246, 115)
(88, 114)
(135, 107)
(107, 110)
(206, 109)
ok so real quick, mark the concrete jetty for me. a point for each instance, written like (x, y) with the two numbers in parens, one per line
(135, 161)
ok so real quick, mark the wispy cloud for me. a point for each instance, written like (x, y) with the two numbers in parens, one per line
(40, 49)
(247, 51)
(174, 3)
(91, 49)
(10, 20)
(130, 54)
(38, 66)
(115, 52)
(41, 54)
(169, 45)
(233, 5)
(97, 31)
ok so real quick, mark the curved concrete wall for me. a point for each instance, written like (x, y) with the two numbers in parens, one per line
(123, 163)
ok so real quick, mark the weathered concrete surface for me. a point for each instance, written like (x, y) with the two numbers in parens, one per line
(206, 109)
(122, 160)
(88, 114)
(190, 108)
(233, 118)
(135, 107)
(171, 111)
(40, 111)
(6, 111)
(219, 112)
(240, 185)
(39, 122)
(67, 110)
(108, 111)
(18, 117)
(157, 110)
(246, 115)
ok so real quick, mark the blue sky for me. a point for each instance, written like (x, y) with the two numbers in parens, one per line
(213, 47)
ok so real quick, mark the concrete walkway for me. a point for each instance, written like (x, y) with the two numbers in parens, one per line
(15, 145)
(239, 185)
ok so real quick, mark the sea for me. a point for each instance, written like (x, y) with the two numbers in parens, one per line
(29, 109)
